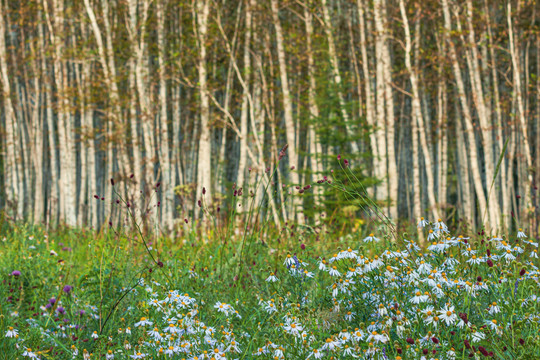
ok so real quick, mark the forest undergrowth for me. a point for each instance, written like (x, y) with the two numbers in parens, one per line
(252, 289)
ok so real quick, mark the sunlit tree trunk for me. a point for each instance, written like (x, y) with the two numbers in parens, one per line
(370, 97)
(417, 114)
(204, 165)
(242, 162)
(469, 129)
(315, 148)
(9, 141)
(165, 161)
(484, 119)
(288, 112)
(524, 141)
(68, 209)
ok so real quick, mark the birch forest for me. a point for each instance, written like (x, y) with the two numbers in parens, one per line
(434, 104)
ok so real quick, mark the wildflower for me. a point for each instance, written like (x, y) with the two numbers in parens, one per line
(371, 238)
(28, 353)
(316, 353)
(441, 225)
(289, 260)
(137, 355)
(534, 254)
(419, 298)
(293, 328)
(330, 344)
(109, 355)
(16, 273)
(448, 315)
(521, 234)
(422, 223)
(474, 260)
(171, 350)
(67, 289)
(492, 324)
(11, 333)
(334, 271)
(478, 336)
(468, 252)
(530, 242)
(494, 309)
(272, 278)
(95, 335)
(143, 322)
(509, 256)
(374, 336)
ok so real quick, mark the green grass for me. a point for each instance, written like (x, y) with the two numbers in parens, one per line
(114, 280)
(362, 291)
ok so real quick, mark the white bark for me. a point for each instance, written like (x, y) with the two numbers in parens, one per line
(288, 109)
(469, 129)
(10, 173)
(315, 147)
(521, 109)
(417, 114)
(204, 173)
(165, 161)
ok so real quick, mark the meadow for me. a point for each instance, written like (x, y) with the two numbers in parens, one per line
(253, 290)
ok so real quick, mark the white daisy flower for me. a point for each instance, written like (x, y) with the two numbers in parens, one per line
(448, 315)
(272, 278)
(371, 238)
(521, 234)
(419, 298)
(12, 333)
(293, 328)
(143, 322)
(334, 271)
(423, 223)
(137, 355)
(478, 336)
(494, 309)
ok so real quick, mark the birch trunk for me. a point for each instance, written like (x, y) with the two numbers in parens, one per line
(242, 163)
(165, 161)
(381, 124)
(469, 129)
(68, 209)
(464, 182)
(315, 148)
(417, 115)
(10, 169)
(483, 116)
(370, 101)
(506, 203)
(204, 174)
(288, 110)
(393, 176)
(521, 109)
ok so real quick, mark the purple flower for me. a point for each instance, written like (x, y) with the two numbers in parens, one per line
(61, 310)
(67, 289)
(48, 306)
(16, 273)
(82, 312)
(52, 301)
